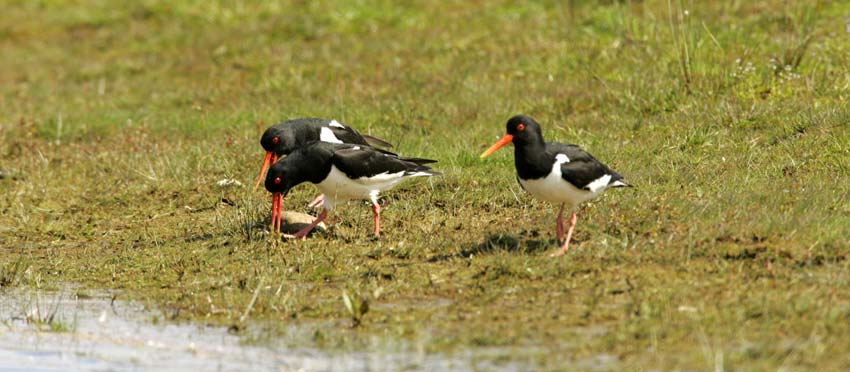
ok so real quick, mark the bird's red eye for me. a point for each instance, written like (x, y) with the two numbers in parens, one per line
(277, 180)
(520, 127)
(275, 140)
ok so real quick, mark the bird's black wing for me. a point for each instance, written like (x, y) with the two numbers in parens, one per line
(582, 168)
(358, 162)
(375, 141)
(347, 134)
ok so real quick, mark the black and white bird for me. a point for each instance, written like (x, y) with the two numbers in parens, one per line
(282, 139)
(342, 172)
(555, 172)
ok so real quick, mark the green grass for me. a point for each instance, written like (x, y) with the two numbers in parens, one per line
(731, 252)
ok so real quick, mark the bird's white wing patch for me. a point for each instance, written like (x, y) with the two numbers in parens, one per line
(382, 177)
(618, 184)
(419, 174)
(561, 159)
(599, 183)
(327, 135)
(356, 148)
(335, 123)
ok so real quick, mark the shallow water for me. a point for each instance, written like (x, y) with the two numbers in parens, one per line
(95, 333)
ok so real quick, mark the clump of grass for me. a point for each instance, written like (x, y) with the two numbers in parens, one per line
(12, 273)
(46, 317)
(679, 30)
(356, 307)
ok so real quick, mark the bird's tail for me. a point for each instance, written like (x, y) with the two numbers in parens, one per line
(620, 183)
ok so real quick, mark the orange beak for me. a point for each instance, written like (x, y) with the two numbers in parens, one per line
(506, 139)
(270, 159)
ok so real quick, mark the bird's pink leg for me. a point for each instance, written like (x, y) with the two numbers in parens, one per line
(566, 245)
(317, 201)
(303, 232)
(376, 209)
(559, 225)
(279, 211)
(275, 212)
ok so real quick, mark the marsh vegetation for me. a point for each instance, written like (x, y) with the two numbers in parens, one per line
(117, 125)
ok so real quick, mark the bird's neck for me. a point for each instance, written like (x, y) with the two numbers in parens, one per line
(531, 160)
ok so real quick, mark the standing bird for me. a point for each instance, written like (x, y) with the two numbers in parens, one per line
(342, 172)
(555, 172)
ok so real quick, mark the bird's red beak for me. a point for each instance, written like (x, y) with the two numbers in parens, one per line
(501, 142)
(270, 159)
(277, 199)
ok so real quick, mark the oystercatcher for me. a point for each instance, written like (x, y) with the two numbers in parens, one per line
(284, 138)
(555, 172)
(342, 172)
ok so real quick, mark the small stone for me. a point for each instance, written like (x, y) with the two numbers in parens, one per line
(291, 222)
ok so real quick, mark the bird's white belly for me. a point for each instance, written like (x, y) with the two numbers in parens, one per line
(555, 189)
(337, 187)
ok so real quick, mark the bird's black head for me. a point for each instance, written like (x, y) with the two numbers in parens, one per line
(521, 130)
(524, 130)
(278, 139)
(281, 178)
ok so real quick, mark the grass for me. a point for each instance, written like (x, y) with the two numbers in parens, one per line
(731, 119)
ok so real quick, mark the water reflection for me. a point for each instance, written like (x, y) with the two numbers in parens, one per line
(58, 331)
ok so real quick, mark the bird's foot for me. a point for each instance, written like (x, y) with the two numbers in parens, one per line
(560, 252)
(317, 202)
(295, 236)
